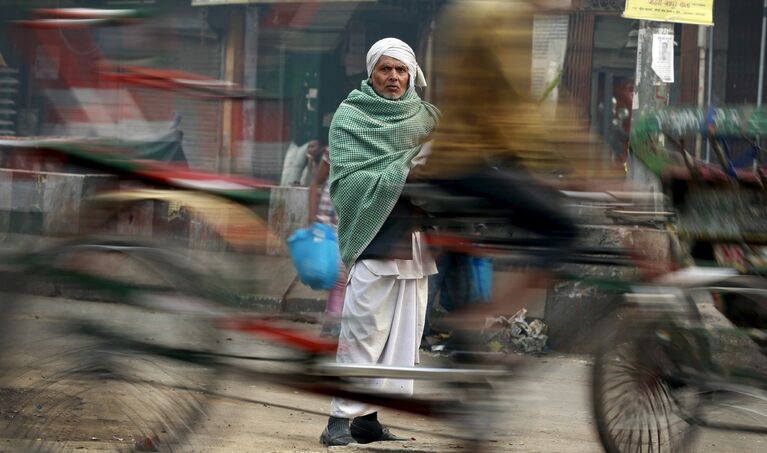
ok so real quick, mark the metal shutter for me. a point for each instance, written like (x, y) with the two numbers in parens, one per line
(201, 120)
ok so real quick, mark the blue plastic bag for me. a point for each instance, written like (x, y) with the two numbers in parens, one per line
(481, 278)
(314, 252)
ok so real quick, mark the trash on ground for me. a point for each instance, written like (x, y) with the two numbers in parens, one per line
(515, 333)
(147, 444)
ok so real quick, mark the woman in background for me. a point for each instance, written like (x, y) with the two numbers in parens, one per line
(321, 210)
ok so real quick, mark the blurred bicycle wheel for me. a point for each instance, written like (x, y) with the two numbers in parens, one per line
(112, 356)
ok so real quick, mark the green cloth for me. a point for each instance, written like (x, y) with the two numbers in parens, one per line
(372, 141)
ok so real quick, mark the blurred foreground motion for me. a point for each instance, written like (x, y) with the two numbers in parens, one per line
(116, 341)
(687, 349)
(104, 333)
(658, 375)
(497, 149)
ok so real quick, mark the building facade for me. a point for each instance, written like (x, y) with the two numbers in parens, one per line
(304, 57)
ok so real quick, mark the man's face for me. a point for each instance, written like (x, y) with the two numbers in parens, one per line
(390, 78)
(313, 147)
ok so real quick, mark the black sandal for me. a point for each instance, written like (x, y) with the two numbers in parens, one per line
(338, 440)
(366, 431)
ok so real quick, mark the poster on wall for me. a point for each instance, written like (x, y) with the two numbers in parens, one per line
(663, 57)
(697, 12)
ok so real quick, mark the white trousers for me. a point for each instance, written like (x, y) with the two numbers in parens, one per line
(383, 320)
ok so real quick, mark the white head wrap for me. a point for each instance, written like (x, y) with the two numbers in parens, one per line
(395, 48)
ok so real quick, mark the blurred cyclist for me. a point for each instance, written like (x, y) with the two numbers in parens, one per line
(492, 139)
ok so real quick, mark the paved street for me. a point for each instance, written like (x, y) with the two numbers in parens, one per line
(548, 411)
(545, 415)
(546, 404)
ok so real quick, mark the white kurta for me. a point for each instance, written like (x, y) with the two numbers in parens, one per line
(383, 320)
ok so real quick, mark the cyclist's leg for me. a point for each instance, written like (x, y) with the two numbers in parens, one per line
(530, 206)
(456, 288)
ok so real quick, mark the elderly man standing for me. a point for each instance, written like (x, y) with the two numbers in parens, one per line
(375, 141)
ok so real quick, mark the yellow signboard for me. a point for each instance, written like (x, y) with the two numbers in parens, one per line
(699, 12)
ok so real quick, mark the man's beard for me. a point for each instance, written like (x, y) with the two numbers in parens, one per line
(392, 97)
(386, 95)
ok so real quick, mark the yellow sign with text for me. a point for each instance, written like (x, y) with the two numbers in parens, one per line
(698, 12)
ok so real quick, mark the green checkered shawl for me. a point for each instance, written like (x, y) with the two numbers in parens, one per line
(372, 141)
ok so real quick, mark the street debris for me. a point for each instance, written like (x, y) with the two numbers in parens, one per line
(500, 334)
(516, 334)
(147, 444)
